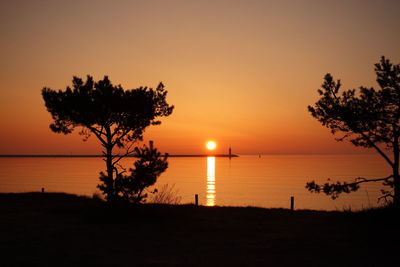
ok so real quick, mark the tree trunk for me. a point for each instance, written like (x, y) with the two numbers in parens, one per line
(396, 178)
(110, 188)
(110, 176)
(396, 199)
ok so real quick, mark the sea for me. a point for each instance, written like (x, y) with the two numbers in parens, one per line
(268, 181)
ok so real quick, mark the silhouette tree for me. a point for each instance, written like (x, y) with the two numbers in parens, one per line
(117, 117)
(150, 165)
(367, 118)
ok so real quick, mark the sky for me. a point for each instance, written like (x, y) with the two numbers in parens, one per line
(239, 72)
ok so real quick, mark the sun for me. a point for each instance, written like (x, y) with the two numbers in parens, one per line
(211, 145)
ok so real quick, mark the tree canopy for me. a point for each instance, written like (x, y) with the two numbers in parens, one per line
(367, 118)
(101, 105)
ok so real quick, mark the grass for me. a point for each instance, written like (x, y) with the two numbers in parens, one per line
(56, 229)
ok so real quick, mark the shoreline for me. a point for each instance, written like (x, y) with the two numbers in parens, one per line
(100, 156)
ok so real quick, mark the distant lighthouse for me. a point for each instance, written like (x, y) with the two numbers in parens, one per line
(230, 152)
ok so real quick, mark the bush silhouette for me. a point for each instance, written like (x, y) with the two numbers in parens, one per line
(150, 165)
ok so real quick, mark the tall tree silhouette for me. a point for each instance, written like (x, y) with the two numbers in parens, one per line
(117, 117)
(367, 118)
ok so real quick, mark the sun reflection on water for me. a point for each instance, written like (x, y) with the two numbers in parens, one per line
(211, 191)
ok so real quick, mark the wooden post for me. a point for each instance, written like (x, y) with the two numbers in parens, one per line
(291, 203)
(42, 189)
(196, 199)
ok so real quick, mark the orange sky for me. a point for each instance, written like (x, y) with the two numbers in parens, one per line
(239, 72)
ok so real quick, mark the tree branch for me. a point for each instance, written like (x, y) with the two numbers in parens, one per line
(335, 189)
(385, 197)
(128, 152)
(377, 149)
(120, 137)
(365, 180)
(98, 135)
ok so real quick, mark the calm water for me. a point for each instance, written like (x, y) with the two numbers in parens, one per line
(268, 181)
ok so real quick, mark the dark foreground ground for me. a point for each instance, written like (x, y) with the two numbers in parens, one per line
(65, 230)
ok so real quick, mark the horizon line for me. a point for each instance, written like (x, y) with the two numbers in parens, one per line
(100, 156)
(169, 155)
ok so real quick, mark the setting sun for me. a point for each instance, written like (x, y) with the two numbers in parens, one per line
(211, 145)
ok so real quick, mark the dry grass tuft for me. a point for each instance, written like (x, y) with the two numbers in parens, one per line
(167, 194)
